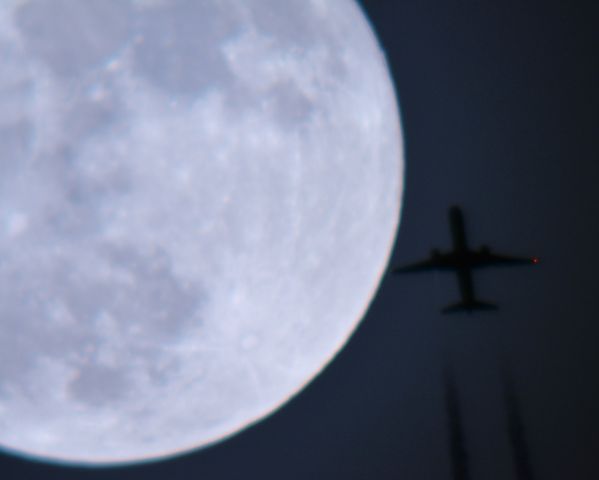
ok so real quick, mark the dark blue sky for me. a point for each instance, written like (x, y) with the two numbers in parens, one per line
(500, 109)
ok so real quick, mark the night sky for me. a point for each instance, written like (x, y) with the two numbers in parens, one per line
(500, 111)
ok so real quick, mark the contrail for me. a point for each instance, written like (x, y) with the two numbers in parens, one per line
(459, 455)
(515, 425)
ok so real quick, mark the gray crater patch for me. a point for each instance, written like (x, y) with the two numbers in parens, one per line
(72, 36)
(299, 29)
(156, 303)
(93, 320)
(14, 144)
(98, 385)
(175, 52)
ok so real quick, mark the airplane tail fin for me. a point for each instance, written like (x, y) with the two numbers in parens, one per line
(469, 307)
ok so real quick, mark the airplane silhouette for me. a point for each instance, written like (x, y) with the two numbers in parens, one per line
(462, 260)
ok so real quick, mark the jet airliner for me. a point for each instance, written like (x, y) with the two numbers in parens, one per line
(462, 260)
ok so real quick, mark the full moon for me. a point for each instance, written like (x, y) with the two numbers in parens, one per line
(198, 199)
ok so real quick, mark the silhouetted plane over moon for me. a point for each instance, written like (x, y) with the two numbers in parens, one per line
(462, 260)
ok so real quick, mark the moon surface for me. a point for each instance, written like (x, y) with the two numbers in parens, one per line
(197, 201)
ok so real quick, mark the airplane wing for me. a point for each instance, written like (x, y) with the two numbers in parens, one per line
(485, 259)
(423, 266)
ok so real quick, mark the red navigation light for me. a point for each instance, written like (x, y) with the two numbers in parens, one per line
(535, 260)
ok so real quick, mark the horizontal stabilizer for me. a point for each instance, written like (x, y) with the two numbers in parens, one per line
(469, 307)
